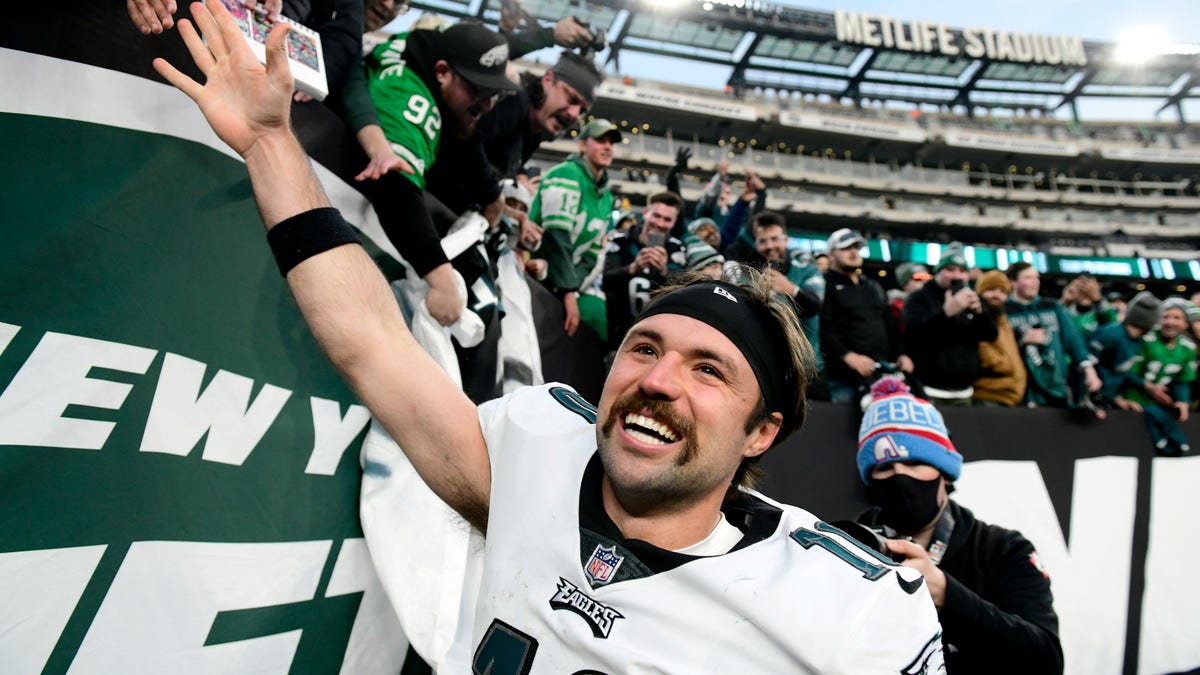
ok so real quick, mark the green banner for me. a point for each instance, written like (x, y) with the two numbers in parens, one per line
(178, 460)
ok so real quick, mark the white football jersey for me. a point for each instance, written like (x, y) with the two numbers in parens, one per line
(559, 596)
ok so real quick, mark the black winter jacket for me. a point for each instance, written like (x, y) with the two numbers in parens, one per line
(944, 349)
(999, 613)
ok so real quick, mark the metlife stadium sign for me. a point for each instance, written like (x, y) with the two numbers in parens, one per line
(878, 30)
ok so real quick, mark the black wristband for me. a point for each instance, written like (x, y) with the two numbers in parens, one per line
(307, 234)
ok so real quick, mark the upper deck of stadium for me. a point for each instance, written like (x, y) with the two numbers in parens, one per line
(912, 130)
(860, 58)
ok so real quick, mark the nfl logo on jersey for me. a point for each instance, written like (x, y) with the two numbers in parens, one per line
(603, 565)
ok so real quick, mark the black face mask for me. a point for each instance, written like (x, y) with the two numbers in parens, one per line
(906, 504)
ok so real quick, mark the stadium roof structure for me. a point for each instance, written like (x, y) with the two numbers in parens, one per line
(864, 57)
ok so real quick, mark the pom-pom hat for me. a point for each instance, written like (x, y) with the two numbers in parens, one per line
(899, 427)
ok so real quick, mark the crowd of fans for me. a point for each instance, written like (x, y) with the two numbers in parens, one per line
(445, 127)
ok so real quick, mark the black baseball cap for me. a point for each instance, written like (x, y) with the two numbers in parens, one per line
(477, 53)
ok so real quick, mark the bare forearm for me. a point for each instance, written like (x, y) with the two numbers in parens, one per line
(373, 140)
(353, 315)
(283, 180)
(355, 319)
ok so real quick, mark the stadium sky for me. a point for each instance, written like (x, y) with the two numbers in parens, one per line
(1104, 20)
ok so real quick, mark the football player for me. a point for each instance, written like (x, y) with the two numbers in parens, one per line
(618, 539)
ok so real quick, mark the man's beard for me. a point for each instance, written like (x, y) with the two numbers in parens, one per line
(661, 490)
(463, 124)
(462, 130)
(563, 125)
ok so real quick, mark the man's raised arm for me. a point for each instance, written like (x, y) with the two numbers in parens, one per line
(343, 296)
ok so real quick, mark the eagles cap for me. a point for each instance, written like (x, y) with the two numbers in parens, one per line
(477, 53)
(599, 128)
(953, 256)
(846, 238)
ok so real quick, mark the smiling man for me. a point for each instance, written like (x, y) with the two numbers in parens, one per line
(546, 106)
(574, 206)
(639, 261)
(631, 546)
(414, 90)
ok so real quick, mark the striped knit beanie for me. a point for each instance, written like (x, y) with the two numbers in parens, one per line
(898, 427)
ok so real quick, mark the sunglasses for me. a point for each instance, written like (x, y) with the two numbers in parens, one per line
(479, 93)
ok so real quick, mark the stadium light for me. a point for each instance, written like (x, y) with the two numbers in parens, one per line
(1139, 44)
(667, 5)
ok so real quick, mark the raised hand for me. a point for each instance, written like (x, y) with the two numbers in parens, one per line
(242, 100)
(682, 157)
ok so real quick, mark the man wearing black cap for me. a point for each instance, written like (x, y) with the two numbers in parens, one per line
(469, 171)
(944, 323)
(610, 530)
(421, 84)
(543, 109)
(573, 205)
(857, 326)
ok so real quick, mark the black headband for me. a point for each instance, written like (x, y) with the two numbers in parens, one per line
(750, 326)
(578, 77)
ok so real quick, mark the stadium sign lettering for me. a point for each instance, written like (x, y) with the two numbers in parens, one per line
(878, 30)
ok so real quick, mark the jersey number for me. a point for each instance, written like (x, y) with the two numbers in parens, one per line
(639, 294)
(870, 570)
(504, 650)
(423, 114)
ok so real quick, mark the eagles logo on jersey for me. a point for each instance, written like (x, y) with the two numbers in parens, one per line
(599, 616)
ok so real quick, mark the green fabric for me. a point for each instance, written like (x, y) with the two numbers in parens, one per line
(575, 210)
(190, 331)
(593, 311)
(407, 109)
(1163, 364)
(1047, 364)
(1087, 322)
(358, 109)
(808, 277)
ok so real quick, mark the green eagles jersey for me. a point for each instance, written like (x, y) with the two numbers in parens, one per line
(1087, 322)
(1159, 363)
(1047, 364)
(575, 211)
(407, 109)
(808, 277)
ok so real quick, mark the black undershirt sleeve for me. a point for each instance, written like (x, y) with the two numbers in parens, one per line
(400, 205)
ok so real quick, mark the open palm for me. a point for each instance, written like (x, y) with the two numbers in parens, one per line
(243, 101)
